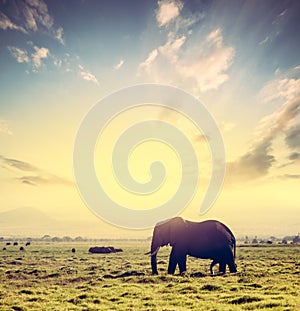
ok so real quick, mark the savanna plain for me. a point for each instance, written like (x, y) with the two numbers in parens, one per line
(48, 276)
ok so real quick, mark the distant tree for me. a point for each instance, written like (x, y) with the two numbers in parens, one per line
(46, 237)
(56, 239)
(255, 241)
(296, 239)
(79, 239)
(288, 238)
(1, 238)
(284, 241)
(67, 239)
(246, 241)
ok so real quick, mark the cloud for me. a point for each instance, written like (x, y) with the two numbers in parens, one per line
(6, 23)
(44, 180)
(167, 11)
(146, 65)
(276, 27)
(292, 176)
(253, 164)
(294, 156)
(285, 88)
(292, 137)
(20, 165)
(40, 53)
(87, 75)
(36, 57)
(20, 55)
(172, 47)
(227, 126)
(30, 16)
(281, 123)
(4, 127)
(36, 176)
(199, 67)
(119, 65)
(59, 35)
(208, 65)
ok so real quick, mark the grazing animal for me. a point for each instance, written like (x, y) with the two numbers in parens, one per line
(16, 243)
(73, 250)
(27, 244)
(8, 243)
(208, 239)
(4, 248)
(104, 250)
(22, 248)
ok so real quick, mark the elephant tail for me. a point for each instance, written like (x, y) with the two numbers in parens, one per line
(234, 248)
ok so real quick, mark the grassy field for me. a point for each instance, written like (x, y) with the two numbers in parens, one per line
(51, 277)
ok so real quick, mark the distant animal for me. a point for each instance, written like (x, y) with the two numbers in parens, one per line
(8, 243)
(16, 243)
(209, 239)
(27, 244)
(4, 248)
(22, 248)
(73, 250)
(104, 250)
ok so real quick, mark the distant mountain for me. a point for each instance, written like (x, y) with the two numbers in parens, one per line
(24, 215)
(27, 220)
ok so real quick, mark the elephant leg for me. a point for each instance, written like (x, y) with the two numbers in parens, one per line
(172, 262)
(222, 266)
(231, 264)
(229, 259)
(182, 263)
(214, 262)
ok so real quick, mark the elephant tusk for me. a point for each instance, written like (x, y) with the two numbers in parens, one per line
(153, 253)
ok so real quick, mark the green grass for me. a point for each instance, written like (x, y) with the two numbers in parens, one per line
(51, 277)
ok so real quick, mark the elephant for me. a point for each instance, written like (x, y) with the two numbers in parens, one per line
(208, 239)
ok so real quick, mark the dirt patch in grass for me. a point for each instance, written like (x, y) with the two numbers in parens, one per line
(210, 287)
(244, 299)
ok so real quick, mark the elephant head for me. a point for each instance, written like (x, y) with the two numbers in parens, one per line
(165, 233)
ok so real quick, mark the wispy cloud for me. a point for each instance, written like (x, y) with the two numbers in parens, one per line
(6, 23)
(45, 179)
(59, 34)
(194, 61)
(38, 55)
(86, 75)
(34, 176)
(201, 66)
(20, 165)
(167, 11)
(119, 65)
(4, 127)
(283, 122)
(29, 16)
(35, 59)
(276, 26)
(20, 55)
(294, 156)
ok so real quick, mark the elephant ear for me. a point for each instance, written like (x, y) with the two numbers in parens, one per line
(177, 230)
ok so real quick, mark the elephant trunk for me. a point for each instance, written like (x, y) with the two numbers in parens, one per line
(154, 250)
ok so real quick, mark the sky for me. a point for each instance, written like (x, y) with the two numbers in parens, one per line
(240, 59)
